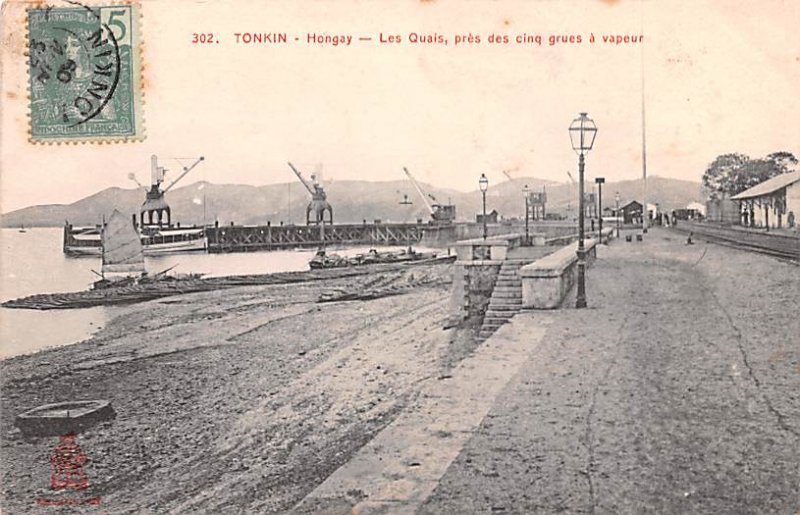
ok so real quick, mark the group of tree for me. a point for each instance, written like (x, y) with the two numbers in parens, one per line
(730, 174)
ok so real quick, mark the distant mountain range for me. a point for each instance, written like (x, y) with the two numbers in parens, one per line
(353, 201)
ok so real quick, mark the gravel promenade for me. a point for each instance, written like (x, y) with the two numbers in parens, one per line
(677, 391)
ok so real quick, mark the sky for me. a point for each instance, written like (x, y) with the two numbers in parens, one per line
(720, 76)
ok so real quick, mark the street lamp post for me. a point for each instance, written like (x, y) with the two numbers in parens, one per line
(582, 132)
(600, 181)
(483, 183)
(527, 208)
(616, 197)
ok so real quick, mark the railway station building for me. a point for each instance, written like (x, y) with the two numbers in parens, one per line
(774, 203)
(631, 212)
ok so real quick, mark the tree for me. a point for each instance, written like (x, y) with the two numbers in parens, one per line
(783, 161)
(730, 174)
(717, 177)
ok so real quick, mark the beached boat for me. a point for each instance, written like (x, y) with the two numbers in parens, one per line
(123, 256)
(325, 260)
(63, 418)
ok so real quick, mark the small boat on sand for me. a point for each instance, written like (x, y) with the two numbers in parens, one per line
(123, 258)
(325, 260)
(63, 417)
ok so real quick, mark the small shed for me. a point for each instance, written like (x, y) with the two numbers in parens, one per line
(491, 217)
(631, 212)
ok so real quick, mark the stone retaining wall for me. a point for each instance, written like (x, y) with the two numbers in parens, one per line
(475, 273)
(547, 281)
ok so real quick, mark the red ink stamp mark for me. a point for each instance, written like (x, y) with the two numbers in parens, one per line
(67, 462)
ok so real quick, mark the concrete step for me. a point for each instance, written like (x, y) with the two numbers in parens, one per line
(505, 310)
(502, 306)
(498, 316)
(510, 301)
(505, 301)
(510, 297)
(507, 287)
(496, 321)
(501, 313)
(505, 291)
(507, 298)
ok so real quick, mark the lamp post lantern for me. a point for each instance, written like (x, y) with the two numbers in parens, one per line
(582, 132)
(616, 197)
(483, 183)
(600, 181)
(526, 192)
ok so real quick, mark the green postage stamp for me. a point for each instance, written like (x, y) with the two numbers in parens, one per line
(84, 73)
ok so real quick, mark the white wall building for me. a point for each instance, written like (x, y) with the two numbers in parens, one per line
(773, 203)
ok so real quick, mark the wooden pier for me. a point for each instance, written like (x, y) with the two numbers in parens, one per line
(238, 238)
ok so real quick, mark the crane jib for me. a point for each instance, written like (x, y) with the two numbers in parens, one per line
(300, 176)
(419, 190)
(185, 171)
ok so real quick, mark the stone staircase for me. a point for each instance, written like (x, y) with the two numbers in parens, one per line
(506, 300)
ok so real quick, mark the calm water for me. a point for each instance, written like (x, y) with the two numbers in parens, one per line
(32, 262)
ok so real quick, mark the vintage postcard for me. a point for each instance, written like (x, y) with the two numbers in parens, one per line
(432, 257)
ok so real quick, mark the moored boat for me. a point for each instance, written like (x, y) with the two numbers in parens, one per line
(85, 241)
(157, 233)
(324, 260)
(123, 256)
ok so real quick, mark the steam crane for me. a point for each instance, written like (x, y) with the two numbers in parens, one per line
(440, 213)
(319, 200)
(154, 202)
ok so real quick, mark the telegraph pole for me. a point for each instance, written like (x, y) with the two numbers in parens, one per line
(644, 139)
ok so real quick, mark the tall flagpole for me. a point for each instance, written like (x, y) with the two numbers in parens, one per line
(644, 138)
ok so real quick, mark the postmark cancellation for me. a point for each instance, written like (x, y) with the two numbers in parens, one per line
(84, 73)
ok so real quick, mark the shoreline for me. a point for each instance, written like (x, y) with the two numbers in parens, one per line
(187, 374)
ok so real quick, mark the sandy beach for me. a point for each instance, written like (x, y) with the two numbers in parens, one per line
(222, 395)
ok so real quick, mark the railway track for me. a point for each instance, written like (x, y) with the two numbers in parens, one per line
(785, 248)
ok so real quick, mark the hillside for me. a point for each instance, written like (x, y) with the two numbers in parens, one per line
(353, 201)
